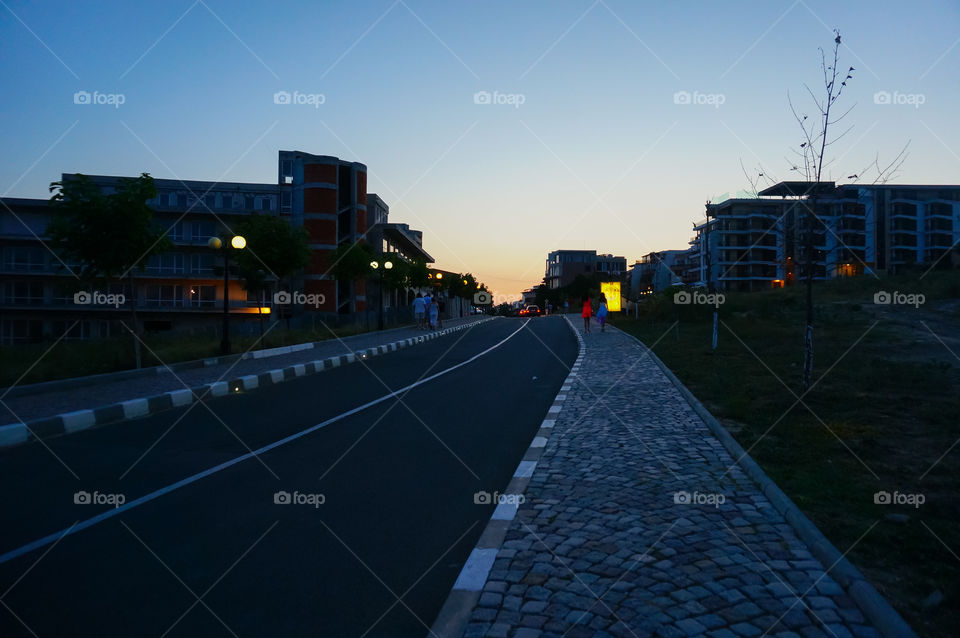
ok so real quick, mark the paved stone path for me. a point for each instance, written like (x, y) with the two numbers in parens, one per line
(38, 406)
(637, 522)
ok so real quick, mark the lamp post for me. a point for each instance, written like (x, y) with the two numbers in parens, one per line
(237, 242)
(387, 265)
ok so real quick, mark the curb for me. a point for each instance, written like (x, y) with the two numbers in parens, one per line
(454, 616)
(153, 371)
(874, 606)
(70, 422)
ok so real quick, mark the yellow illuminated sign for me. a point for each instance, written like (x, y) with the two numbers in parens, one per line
(611, 289)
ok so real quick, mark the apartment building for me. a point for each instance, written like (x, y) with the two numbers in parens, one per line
(756, 243)
(184, 287)
(563, 266)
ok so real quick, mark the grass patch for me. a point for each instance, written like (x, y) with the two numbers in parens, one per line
(882, 416)
(34, 363)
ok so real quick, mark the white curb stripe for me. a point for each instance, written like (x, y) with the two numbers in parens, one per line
(13, 433)
(79, 420)
(505, 511)
(474, 572)
(525, 469)
(135, 407)
(181, 397)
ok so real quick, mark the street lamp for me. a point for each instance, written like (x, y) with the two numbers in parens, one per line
(387, 265)
(237, 242)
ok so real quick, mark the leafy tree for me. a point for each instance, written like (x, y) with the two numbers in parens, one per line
(274, 248)
(417, 274)
(109, 236)
(351, 261)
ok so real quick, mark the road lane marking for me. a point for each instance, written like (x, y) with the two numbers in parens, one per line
(90, 522)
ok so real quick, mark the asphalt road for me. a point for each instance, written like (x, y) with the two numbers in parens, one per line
(383, 519)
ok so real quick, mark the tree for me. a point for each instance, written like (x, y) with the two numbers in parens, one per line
(351, 261)
(417, 274)
(110, 236)
(274, 248)
(812, 150)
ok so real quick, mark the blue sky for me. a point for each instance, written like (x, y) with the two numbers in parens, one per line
(597, 155)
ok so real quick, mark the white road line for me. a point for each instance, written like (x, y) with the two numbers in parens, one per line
(90, 522)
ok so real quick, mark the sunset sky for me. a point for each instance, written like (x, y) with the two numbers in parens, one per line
(585, 141)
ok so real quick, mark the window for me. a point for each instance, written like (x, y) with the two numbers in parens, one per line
(172, 200)
(165, 263)
(203, 296)
(23, 259)
(210, 201)
(201, 264)
(203, 231)
(21, 292)
(286, 171)
(23, 331)
(285, 200)
(170, 296)
(176, 231)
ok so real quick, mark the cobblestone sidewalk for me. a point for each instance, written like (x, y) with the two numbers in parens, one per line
(637, 522)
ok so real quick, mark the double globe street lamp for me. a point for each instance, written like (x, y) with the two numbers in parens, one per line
(376, 265)
(237, 242)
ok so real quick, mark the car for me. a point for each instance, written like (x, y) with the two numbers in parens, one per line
(531, 311)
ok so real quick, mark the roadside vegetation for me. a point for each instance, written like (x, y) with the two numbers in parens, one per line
(882, 415)
(39, 362)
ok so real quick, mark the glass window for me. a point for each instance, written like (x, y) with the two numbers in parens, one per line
(203, 296)
(170, 296)
(24, 258)
(22, 292)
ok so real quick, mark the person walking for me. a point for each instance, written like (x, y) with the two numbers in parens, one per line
(602, 312)
(441, 302)
(419, 308)
(434, 313)
(586, 313)
(426, 310)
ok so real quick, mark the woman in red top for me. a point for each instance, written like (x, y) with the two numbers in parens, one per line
(586, 314)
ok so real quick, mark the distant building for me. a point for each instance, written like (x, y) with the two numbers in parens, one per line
(184, 286)
(757, 243)
(563, 266)
(657, 271)
(391, 240)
